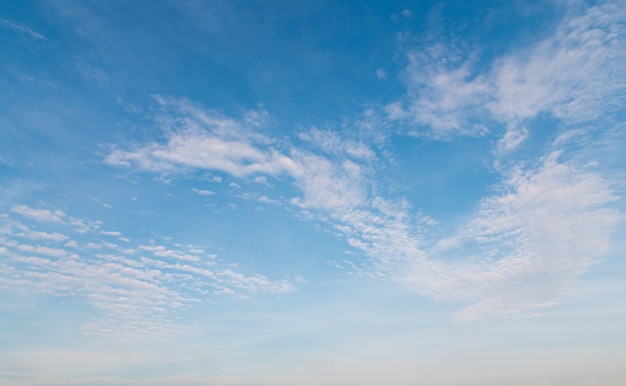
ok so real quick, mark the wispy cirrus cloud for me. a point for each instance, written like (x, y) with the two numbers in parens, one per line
(22, 29)
(203, 139)
(525, 245)
(442, 101)
(520, 251)
(530, 242)
(575, 74)
(111, 233)
(203, 192)
(572, 74)
(332, 143)
(137, 289)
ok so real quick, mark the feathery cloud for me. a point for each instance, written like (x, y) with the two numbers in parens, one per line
(135, 295)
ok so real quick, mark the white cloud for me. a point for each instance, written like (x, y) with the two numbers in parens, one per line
(111, 233)
(511, 139)
(444, 95)
(255, 283)
(334, 144)
(83, 226)
(525, 246)
(27, 233)
(204, 139)
(161, 251)
(520, 252)
(135, 296)
(267, 200)
(329, 185)
(534, 239)
(8, 242)
(203, 192)
(40, 215)
(261, 180)
(46, 251)
(571, 75)
(71, 244)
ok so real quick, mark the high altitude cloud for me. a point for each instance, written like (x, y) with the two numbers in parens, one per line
(208, 141)
(523, 248)
(137, 288)
(531, 241)
(576, 74)
(22, 29)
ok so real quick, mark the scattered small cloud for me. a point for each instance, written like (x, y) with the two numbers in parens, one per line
(203, 192)
(333, 143)
(138, 291)
(568, 75)
(547, 222)
(511, 140)
(111, 233)
(261, 180)
(397, 17)
(267, 200)
(40, 215)
(7, 163)
(206, 140)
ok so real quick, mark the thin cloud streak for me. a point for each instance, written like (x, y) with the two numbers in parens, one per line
(206, 140)
(22, 29)
(554, 203)
(576, 75)
(521, 250)
(137, 291)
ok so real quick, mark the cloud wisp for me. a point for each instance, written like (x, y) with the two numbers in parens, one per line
(21, 29)
(530, 242)
(576, 74)
(524, 246)
(208, 141)
(136, 289)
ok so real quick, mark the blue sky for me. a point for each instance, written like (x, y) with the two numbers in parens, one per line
(312, 193)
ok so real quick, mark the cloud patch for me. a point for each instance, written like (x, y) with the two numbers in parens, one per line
(524, 246)
(196, 138)
(136, 292)
(40, 215)
(577, 74)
